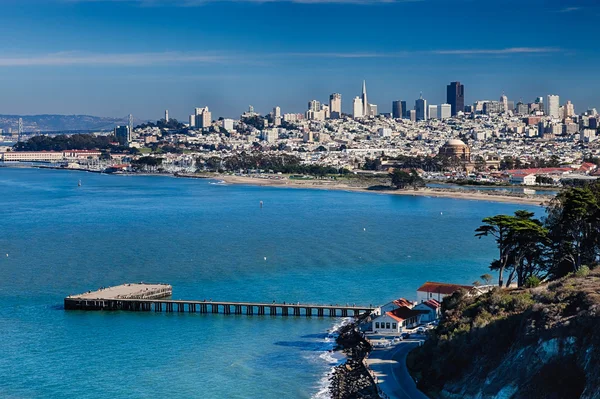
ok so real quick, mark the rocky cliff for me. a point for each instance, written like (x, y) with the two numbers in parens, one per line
(542, 342)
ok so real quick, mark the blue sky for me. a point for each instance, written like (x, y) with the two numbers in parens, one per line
(114, 57)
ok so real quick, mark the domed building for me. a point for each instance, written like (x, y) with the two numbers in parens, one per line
(457, 149)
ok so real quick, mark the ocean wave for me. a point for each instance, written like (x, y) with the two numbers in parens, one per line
(329, 358)
(219, 182)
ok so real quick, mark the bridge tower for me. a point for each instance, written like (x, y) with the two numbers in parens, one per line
(20, 130)
(130, 124)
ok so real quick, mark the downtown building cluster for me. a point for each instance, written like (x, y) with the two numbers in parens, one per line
(486, 131)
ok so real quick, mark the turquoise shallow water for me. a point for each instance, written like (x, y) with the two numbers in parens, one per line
(209, 241)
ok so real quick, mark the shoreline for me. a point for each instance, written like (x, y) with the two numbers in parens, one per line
(284, 182)
(422, 192)
(352, 378)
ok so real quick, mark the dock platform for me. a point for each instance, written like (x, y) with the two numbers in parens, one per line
(153, 297)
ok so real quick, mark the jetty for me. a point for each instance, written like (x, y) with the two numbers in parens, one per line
(141, 297)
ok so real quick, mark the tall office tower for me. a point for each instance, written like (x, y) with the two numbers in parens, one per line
(314, 106)
(421, 109)
(123, 135)
(540, 102)
(192, 121)
(412, 115)
(365, 102)
(373, 110)
(455, 96)
(504, 101)
(552, 106)
(432, 112)
(541, 129)
(203, 117)
(277, 116)
(404, 109)
(335, 105)
(522, 109)
(166, 115)
(569, 109)
(326, 111)
(445, 111)
(357, 108)
(397, 110)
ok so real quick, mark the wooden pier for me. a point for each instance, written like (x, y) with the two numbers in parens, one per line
(153, 298)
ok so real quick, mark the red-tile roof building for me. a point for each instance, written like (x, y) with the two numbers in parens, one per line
(437, 291)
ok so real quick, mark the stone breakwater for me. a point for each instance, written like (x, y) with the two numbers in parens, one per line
(352, 379)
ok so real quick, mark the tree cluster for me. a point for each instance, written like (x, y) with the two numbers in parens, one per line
(65, 142)
(402, 179)
(509, 163)
(566, 241)
(171, 124)
(277, 163)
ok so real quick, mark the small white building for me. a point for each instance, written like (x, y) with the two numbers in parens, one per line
(396, 321)
(527, 179)
(430, 311)
(384, 132)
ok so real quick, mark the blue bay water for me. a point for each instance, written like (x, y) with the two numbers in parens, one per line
(210, 242)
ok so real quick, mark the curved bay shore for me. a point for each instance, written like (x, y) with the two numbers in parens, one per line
(422, 192)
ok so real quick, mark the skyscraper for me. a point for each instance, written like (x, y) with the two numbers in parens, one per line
(123, 135)
(552, 106)
(365, 102)
(277, 116)
(421, 109)
(455, 96)
(335, 105)
(203, 117)
(314, 106)
(569, 109)
(445, 111)
(166, 115)
(357, 108)
(504, 101)
(432, 112)
(397, 110)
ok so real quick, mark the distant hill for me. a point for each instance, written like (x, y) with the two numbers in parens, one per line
(53, 123)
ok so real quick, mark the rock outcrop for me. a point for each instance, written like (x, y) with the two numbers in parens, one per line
(542, 342)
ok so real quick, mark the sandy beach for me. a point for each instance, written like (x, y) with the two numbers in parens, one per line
(423, 192)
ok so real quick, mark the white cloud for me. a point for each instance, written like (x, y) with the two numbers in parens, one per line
(73, 58)
(570, 9)
(124, 59)
(502, 51)
(192, 3)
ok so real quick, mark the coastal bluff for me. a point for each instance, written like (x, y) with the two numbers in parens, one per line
(541, 342)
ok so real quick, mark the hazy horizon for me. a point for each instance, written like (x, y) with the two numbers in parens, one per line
(112, 58)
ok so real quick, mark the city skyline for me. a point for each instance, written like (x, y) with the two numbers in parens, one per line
(112, 58)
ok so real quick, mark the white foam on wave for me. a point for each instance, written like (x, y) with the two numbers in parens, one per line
(330, 358)
(220, 182)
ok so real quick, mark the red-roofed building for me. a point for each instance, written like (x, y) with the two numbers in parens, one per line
(430, 310)
(587, 167)
(438, 291)
(396, 321)
(395, 304)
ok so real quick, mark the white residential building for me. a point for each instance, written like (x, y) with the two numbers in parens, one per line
(357, 108)
(335, 105)
(432, 112)
(553, 106)
(445, 111)
(228, 124)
